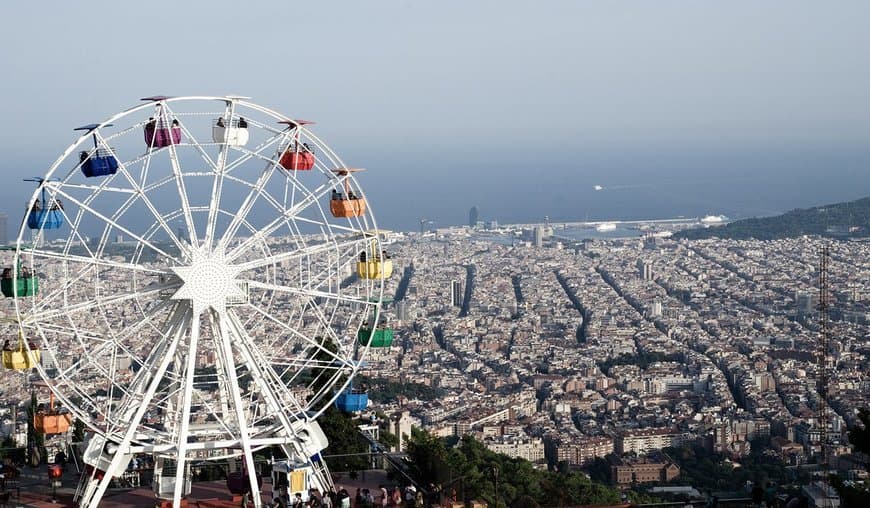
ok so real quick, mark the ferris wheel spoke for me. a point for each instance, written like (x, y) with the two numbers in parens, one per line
(119, 190)
(128, 332)
(274, 391)
(182, 193)
(95, 261)
(245, 208)
(217, 184)
(309, 293)
(62, 291)
(139, 191)
(279, 221)
(36, 315)
(117, 226)
(335, 358)
(313, 250)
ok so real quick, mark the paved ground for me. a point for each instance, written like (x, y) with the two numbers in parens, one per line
(35, 492)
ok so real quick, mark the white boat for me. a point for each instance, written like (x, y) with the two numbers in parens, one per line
(713, 219)
(607, 226)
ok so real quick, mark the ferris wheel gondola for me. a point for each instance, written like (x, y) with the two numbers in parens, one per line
(346, 204)
(299, 155)
(194, 307)
(45, 212)
(100, 161)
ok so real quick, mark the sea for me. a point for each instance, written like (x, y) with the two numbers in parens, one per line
(564, 191)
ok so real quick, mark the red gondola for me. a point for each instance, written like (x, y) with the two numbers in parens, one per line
(298, 156)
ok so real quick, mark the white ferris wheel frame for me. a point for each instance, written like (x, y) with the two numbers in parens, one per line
(174, 322)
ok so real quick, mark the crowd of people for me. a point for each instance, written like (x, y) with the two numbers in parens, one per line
(364, 498)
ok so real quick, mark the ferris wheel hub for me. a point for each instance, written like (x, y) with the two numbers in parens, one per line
(209, 281)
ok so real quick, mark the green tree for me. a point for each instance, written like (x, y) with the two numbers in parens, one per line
(473, 470)
(860, 435)
(35, 440)
(78, 434)
(344, 440)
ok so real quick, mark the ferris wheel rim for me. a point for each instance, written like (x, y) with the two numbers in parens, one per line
(25, 318)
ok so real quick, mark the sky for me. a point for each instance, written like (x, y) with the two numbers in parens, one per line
(674, 107)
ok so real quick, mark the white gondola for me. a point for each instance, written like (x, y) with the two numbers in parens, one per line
(233, 134)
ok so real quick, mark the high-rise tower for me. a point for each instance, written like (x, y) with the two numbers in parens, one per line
(473, 215)
(456, 294)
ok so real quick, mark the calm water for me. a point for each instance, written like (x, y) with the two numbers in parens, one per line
(670, 186)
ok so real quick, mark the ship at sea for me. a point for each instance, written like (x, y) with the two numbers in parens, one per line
(713, 219)
(607, 226)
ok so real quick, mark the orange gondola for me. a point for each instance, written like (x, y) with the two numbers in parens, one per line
(53, 421)
(346, 204)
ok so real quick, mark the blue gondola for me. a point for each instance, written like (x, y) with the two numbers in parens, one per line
(352, 400)
(99, 161)
(45, 213)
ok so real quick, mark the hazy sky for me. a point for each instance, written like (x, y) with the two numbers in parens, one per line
(495, 103)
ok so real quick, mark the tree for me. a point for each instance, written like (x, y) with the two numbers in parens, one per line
(860, 435)
(344, 439)
(78, 434)
(471, 469)
(35, 440)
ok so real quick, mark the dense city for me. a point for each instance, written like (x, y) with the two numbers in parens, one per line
(568, 352)
(610, 356)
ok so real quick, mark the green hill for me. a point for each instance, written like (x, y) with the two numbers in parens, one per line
(841, 220)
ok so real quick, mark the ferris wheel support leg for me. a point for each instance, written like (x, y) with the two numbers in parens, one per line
(187, 399)
(176, 329)
(240, 414)
(297, 449)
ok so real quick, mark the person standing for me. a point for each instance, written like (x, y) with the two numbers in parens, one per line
(757, 495)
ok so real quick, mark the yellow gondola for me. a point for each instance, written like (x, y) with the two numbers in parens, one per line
(20, 357)
(374, 263)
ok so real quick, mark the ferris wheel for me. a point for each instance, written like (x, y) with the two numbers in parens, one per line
(203, 277)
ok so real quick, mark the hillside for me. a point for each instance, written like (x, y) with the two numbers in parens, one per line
(841, 220)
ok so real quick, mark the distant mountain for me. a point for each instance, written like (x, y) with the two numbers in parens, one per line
(841, 220)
